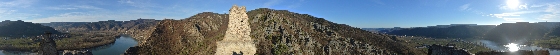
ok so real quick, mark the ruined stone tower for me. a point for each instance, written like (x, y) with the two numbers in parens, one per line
(237, 37)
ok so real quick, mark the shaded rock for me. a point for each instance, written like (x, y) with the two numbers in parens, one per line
(132, 51)
(446, 50)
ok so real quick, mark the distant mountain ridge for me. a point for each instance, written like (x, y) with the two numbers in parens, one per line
(63, 25)
(503, 33)
(441, 31)
(138, 29)
(20, 28)
(520, 31)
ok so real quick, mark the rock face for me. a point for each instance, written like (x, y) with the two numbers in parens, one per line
(196, 35)
(445, 50)
(20, 28)
(47, 45)
(77, 52)
(237, 37)
(131, 51)
(277, 32)
(282, 32)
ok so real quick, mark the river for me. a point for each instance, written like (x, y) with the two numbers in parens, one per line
(119, 47)
(497, 47)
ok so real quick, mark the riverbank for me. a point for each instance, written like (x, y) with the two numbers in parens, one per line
(86, 40)
(423, 43)
(18, 44)
(79, 40)
(552, 43)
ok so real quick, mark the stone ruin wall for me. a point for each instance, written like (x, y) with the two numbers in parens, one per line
(237, 39)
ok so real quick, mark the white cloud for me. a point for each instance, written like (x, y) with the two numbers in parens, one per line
(378, 2)
(552, 8)
(6, 12)
(87, 7)
(543, 11)
(511, 14)
(10, 10)
(468, 8)
(514, 19)
(10, 15)
(86, 17)
(514, 7)
(296, 4)
(138, 3)
(17, 3)
(533, 6)
(61, 8)
(553, 12)
(73, 7)
(524, 6)
(126, 1)
(465, 7)
(548, 16)
(271, 3)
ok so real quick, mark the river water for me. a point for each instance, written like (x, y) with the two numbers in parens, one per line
(497, 47)
(119, 47)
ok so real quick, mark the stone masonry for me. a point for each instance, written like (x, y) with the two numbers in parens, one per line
(237, 39)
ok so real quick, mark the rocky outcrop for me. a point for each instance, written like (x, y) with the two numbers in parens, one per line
(47, 45)
(283, 32)
(23, 29)
(196, 35)
(237, 37)
(77, 52)
(446, 50)
(277, 32)
(132, 51)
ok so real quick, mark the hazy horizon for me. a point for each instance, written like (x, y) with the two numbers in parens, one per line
(362, 13)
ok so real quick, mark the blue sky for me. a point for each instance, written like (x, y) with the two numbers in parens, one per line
(357, 13)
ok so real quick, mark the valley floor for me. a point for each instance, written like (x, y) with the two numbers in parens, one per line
(422, 43)
(551, 42)
(67, 41)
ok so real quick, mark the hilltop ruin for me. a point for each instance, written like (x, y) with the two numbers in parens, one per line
(237, 39)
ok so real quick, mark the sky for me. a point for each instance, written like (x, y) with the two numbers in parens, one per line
(356, 13)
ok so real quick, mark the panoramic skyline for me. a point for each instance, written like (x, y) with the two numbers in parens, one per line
(361, 13)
